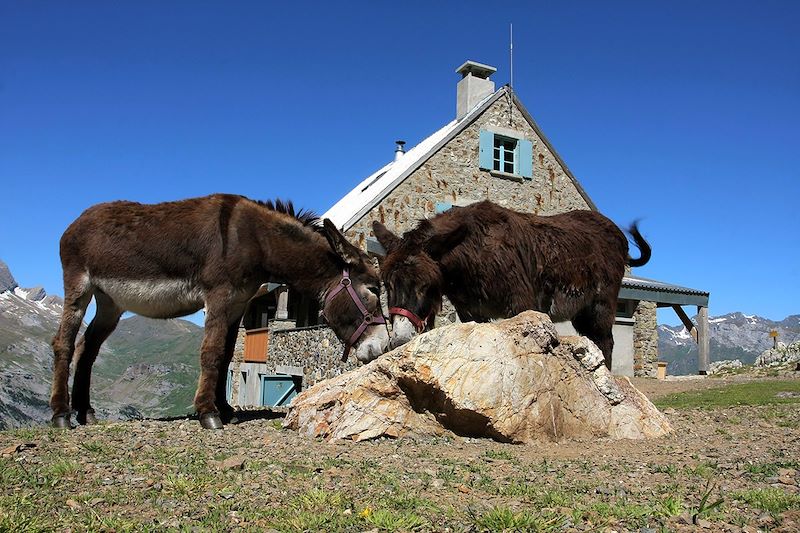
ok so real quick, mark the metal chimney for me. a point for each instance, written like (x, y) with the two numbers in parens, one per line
(399, 151)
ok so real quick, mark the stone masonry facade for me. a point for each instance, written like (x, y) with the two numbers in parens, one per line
(645, 340)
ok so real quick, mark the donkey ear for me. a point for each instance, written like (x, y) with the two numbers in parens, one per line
(388, 240)
(340, 245)
(438, 245)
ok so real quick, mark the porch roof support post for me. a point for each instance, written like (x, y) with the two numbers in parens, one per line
(702, 340)
(282, 312)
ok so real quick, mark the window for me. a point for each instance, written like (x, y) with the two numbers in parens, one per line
(504, 150)
(441, 207)
(506, 154)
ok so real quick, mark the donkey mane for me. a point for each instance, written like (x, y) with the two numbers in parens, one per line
(306, 217)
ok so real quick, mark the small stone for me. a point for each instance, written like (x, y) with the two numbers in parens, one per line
(10, 450)
(765, 520)
(437, 483)
(464, 489)
(705, 524)
(72, 504)
(232, 463)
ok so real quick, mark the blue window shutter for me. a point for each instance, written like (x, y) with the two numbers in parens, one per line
(441, 207)
(486, 148)
(525, 150)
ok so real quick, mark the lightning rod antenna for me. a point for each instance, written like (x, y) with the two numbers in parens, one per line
(511, 52)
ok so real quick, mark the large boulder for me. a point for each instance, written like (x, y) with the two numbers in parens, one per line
(512, 380)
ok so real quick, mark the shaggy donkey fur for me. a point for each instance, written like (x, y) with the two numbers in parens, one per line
(492, 262)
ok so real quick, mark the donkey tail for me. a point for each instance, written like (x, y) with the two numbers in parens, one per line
(642, 245)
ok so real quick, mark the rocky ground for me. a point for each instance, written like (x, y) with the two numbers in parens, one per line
(155, 475)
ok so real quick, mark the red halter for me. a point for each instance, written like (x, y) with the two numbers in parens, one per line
(419, 324)
(345, 284)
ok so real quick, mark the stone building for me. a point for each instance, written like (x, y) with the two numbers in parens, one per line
(493, 149)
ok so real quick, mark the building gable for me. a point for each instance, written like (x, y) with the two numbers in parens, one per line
(447, 170)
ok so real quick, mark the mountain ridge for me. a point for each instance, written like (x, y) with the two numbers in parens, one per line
(733, 335)
(146, 368)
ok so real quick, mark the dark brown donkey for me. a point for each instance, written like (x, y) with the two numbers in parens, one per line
(172, 259)
(492, 262)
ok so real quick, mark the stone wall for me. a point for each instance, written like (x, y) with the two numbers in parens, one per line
(316, 349)
(453, 175)
(645, 339)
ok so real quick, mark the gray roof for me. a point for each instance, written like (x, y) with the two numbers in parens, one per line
(637, 288)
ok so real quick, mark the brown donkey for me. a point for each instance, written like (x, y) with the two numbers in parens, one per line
(492, 262)
(172, 259)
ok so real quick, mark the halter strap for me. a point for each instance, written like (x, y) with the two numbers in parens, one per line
(346, 284)
(418, 323)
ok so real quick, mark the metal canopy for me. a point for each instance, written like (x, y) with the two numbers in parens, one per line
(664, 294)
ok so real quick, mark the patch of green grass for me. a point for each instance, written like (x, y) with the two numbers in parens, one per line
(25, 434)
(703, 470)
(406, 502)
(671, 505)
(774, 501)
(22, 514)
(669, 469)
(388, 520)
(505, 519)
(755, 393)
(538, 496)
(52, 474)
(504, 455)
(607, 512)
(12, 474)
(761, 471)
(97, 448)
(316, 510)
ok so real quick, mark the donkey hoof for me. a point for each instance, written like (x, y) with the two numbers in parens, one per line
(61, 421)
(211, 421)
(87, 418)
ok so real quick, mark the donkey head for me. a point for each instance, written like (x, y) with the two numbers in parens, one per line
(412, 277)
(351, 304)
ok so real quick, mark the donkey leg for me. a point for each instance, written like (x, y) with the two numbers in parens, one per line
(77, 295)
(212, 352)
(597, 322)
(225, 410)
(103, 324)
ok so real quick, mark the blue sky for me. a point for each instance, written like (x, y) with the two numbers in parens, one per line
(684, 114)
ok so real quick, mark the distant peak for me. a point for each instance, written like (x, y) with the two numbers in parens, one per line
(7, 281)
